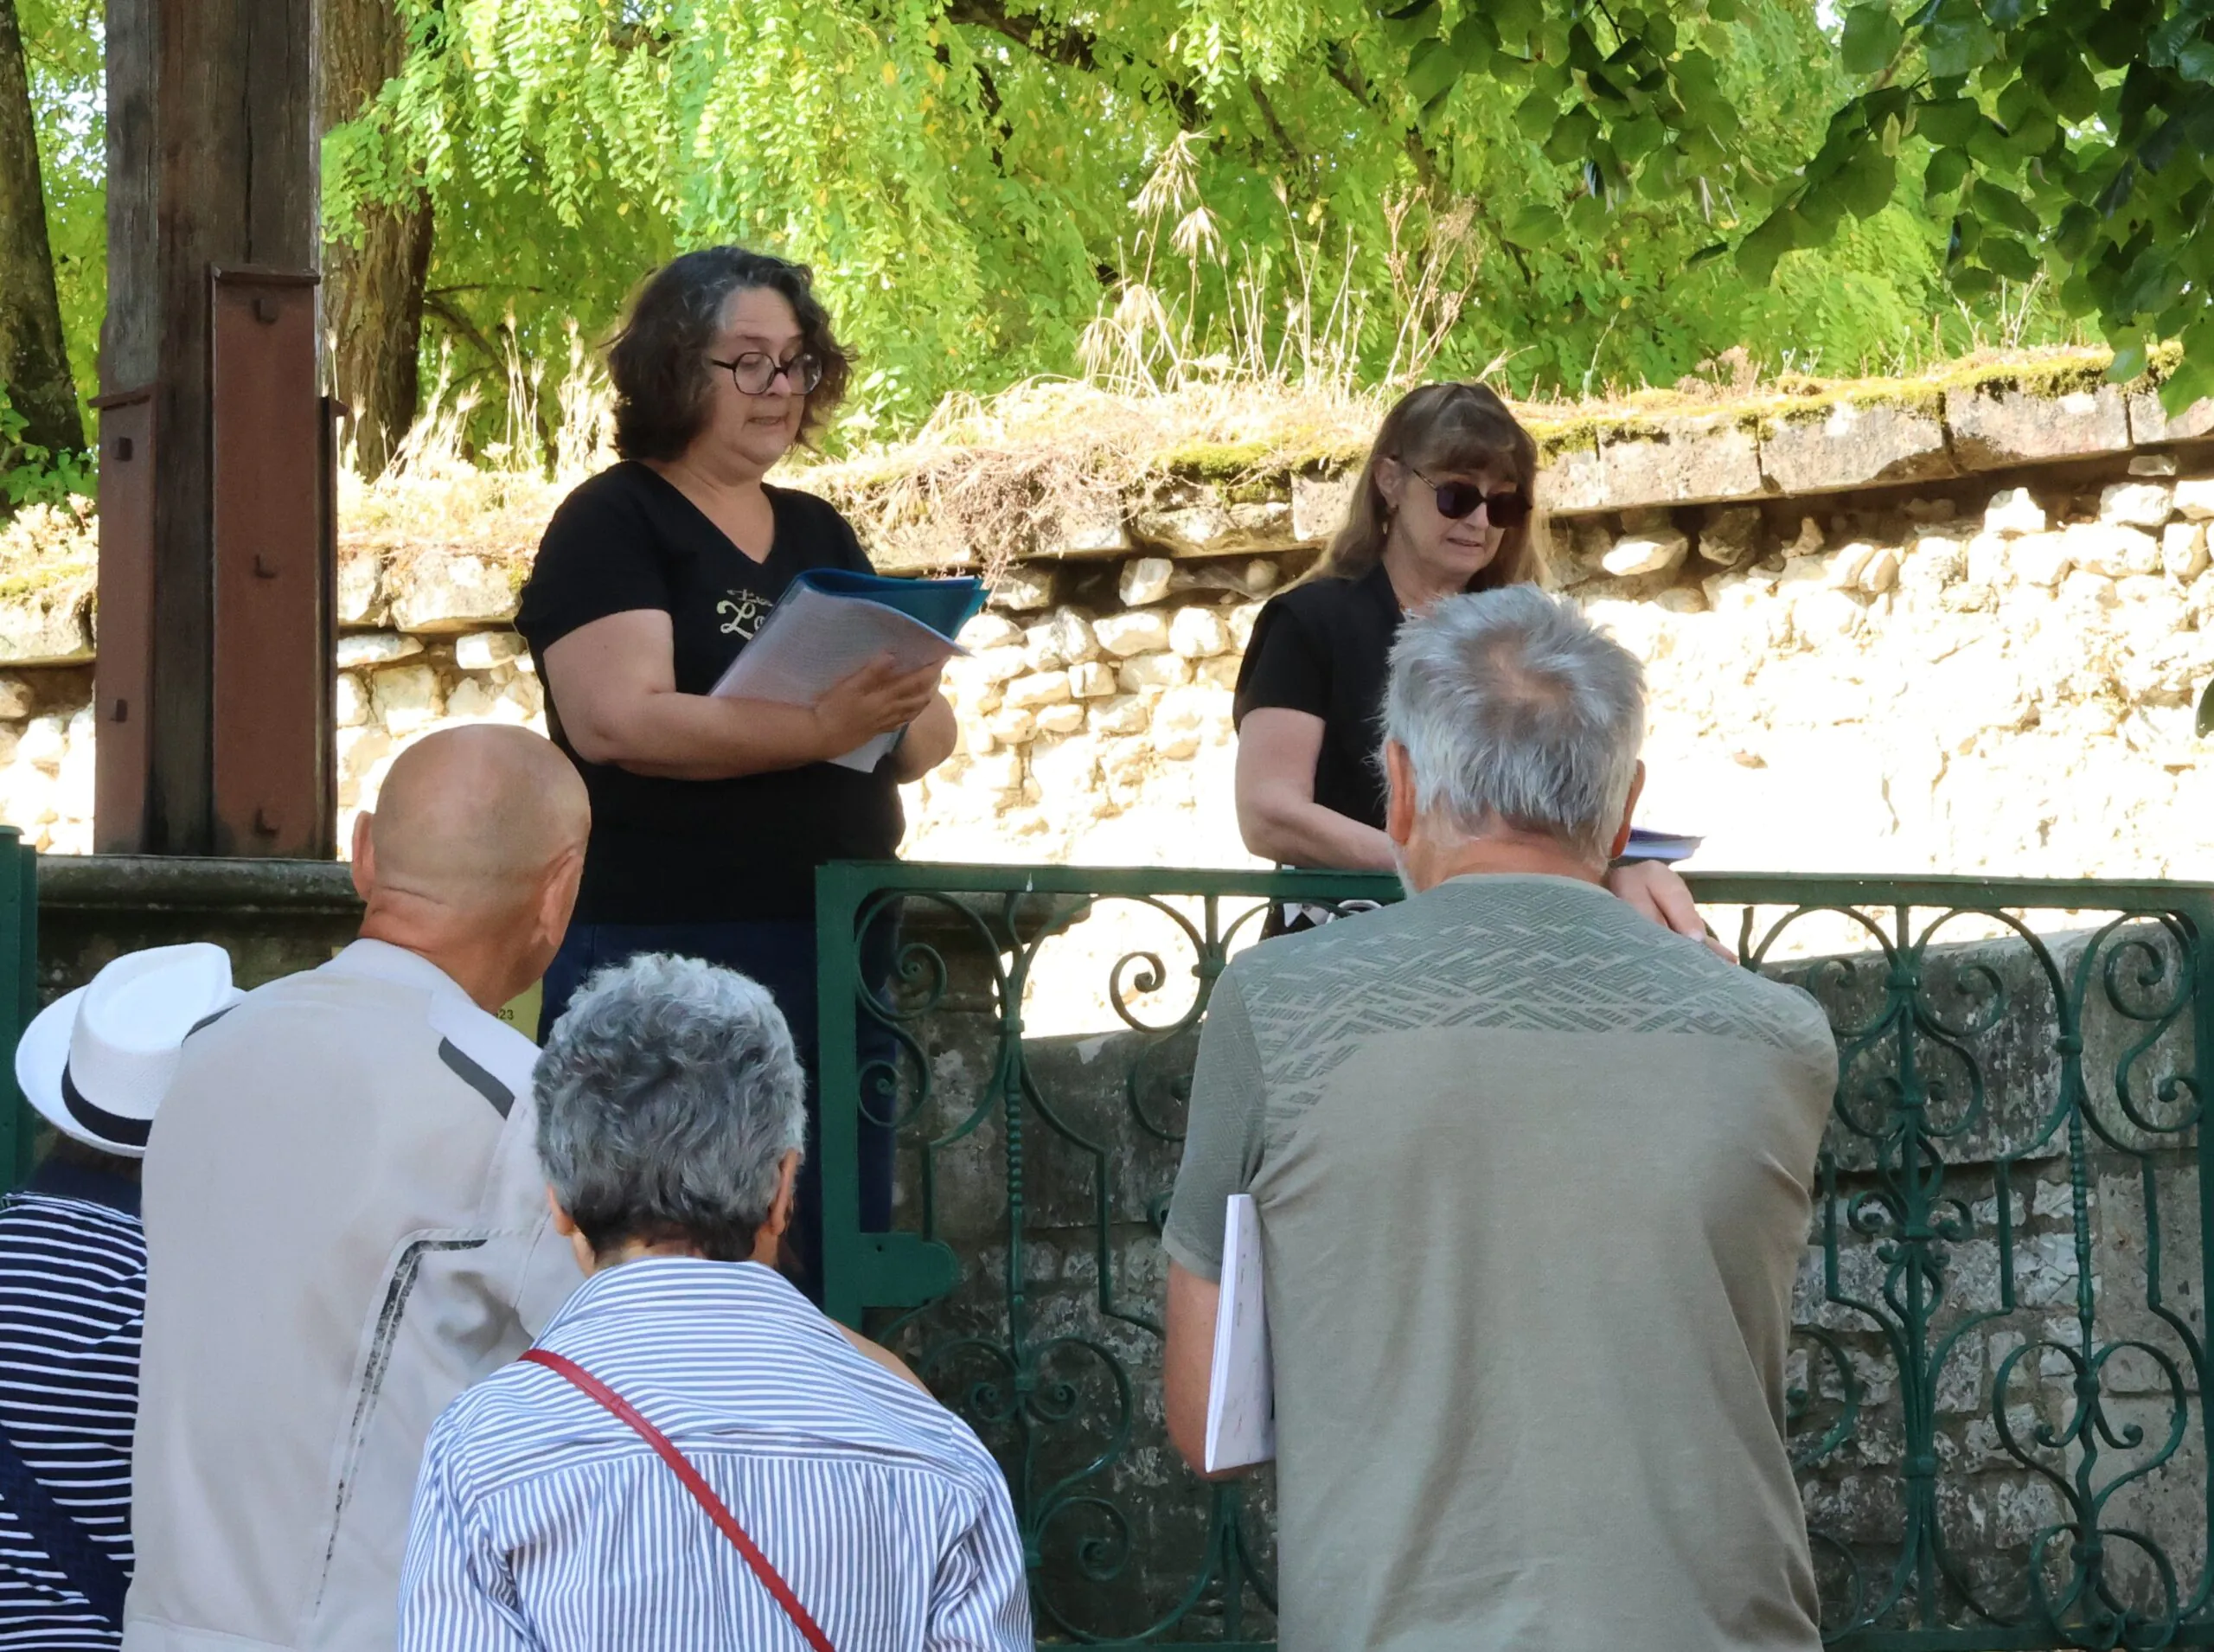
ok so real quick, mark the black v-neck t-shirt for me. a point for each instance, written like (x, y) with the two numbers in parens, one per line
(663, 850)
(1325, 648)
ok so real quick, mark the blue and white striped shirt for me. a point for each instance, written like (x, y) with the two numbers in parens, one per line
(73, 1300)
(544, 1523)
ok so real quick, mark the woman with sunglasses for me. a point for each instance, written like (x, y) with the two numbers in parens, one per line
(711, 815)
(1443, 505)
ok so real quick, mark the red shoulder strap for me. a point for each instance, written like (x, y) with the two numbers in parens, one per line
(702, 1493)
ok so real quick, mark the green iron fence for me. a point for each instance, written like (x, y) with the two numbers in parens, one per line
(1997, 1401)
(18, 995)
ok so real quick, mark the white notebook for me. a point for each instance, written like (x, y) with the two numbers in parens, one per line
(1241, 1388)
(814, 639)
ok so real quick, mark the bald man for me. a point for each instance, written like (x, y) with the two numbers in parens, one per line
(346, 1224)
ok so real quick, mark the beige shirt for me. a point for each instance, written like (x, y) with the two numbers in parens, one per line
(346, 1225)
(1533, 1177)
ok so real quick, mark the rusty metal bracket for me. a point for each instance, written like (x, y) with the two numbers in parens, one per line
(273, 791)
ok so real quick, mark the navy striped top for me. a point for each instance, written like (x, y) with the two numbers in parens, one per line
(541, 1522)
(73, 1299)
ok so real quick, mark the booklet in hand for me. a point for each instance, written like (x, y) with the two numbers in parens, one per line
(1241, 1385)
(1665, 847)
(831, 622)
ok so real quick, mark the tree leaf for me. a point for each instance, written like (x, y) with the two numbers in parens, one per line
(1871, 39)
(1944, 174)
(2005, 256)
(1868, 180)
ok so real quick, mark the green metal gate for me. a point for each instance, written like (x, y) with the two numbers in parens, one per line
(18, 995)
(1997, 1405)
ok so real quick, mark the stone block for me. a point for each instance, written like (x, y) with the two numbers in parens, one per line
(1222, 671)
(1637, 554)
(1198, 633)
(1318, 505)
(2111, 549)
(1002, 665)
(1684, 461)
(1064, 770)
(1039, 688)
(1729, 534)
(1737, 593)
(2150, 422)
(2195, 497)
(1240, 621)
(375, 648)
(1195, 520)
(1064, 639)
(2153, 464)
(1573, 478)
(1185, 718)
(487, 650)
(1996, 425)
(2183, 550)
(1064, 719)
(1143, 631)
(16, 698)
(1145, 671)
(1011, 727)
(440, 591)
(1854, 445)
(1023, 587)
(1881, 571)
(1091, 525)
(977, 740)
(2085, 589)
(1255, 577)
(1125, 713)
(352, 701)
(2013, 511)
(989, 630)
(2042, 559)
(1809, 541)
(997, 772)
(1145, 579)
(45, 743)
(406, 697)
(2138, 504)
(361, 586)
(2144, 587)
(49, 625)
(1091, 680)
(1990, 561)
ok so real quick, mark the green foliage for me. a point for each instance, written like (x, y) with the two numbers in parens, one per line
(61, 51)
(29, 474)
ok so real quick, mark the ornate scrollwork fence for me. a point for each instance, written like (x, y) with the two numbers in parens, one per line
(1997, 1406)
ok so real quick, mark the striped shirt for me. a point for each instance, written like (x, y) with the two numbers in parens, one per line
(541, 1522)
(73, 1297)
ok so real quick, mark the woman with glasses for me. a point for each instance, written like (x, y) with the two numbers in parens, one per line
(1444, 504)
(710, 815)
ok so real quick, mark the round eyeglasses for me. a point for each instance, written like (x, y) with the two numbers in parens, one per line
(754, 372)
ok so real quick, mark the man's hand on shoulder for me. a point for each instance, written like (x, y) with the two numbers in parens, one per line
(1657, 892)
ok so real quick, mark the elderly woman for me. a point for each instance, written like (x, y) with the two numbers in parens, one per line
(780, 1480)
(710, 815)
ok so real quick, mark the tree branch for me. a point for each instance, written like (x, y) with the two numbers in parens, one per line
(1065, 44)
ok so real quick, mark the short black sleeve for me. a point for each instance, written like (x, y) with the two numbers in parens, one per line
(601, 555)
(1285, 667)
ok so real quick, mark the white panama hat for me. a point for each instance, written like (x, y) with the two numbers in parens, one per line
(96, 1061)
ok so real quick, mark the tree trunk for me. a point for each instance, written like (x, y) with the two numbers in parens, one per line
(34, 362)
(372, 285)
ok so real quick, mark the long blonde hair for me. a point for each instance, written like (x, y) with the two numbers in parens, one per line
(1455, 427)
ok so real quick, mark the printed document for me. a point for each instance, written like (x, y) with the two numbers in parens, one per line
(831, 623)
(1241, 1388)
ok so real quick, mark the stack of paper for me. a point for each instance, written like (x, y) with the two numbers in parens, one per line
(829, 623)
(1241, 1386)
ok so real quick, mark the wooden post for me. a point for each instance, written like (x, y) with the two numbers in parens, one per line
(213, 583)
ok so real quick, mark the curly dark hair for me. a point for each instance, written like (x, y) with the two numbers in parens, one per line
(659, 360)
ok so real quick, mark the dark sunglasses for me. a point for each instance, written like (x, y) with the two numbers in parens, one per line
(1458, 499)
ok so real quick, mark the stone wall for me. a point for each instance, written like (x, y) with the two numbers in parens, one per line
(1956, 626)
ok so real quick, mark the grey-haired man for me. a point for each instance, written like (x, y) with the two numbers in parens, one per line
(670, 1121)
(1533, 1179)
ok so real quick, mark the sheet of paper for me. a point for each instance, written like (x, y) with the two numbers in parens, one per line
(812, 640)
(1241, 1388)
